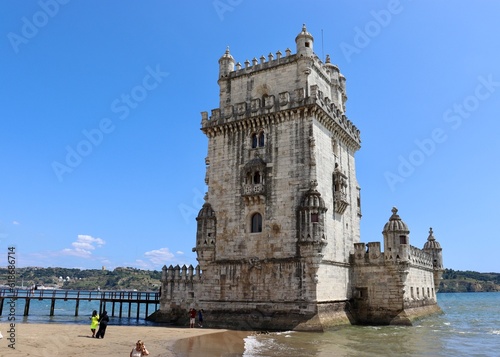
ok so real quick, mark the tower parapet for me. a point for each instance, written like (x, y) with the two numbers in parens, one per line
(179, 284)
(267, 86)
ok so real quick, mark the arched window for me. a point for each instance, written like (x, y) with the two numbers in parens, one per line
(256, 223)
(261, 139)
(254, 141)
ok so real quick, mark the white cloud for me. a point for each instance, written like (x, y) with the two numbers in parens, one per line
(83, 246)
(179, 252)
(159, 256)
(16, 223)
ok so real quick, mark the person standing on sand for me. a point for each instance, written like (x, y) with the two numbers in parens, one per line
(94, 322)
(200, 317)
(192, 317)
(103, 324)
(139, 350)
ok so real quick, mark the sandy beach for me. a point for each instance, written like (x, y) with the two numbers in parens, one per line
(75, 341)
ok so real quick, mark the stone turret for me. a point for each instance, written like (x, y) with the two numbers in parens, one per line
(304, 41)
(396, 236)
(205, 234)
(434, 249)
(337, 79)
(312, 223)
(226, 64)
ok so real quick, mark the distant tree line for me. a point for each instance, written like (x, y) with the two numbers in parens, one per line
(469, 281)
(126, 278)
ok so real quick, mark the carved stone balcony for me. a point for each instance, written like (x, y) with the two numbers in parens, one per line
(253, 189)
(340, 202)
(254, 193)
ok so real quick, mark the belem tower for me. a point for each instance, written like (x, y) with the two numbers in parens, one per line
(278, 238)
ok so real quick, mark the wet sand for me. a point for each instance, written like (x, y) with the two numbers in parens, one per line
(76, 341)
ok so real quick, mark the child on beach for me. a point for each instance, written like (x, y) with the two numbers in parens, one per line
(139, 350)
(94, 322)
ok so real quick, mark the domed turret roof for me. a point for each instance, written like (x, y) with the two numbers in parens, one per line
(206, 211)
(431, 243)
(226, 55)
(304, 33)
(396, 224)
(313, 199)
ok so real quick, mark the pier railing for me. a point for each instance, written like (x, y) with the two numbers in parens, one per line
(104, 297)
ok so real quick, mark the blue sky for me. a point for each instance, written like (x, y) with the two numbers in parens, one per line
(101, 153)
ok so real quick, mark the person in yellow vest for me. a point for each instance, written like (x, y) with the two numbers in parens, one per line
(94, 322)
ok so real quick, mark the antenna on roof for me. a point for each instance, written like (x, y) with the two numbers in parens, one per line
(322, 52)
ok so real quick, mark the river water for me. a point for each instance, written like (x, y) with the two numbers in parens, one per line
(469, 326)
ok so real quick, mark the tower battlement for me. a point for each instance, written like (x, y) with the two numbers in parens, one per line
(370, 254)
(179, 284)
(279, 108)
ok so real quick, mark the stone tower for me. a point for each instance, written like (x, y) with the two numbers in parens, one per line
(283, 201)
(278, 241)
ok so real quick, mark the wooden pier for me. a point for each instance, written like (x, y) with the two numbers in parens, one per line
(104, 297)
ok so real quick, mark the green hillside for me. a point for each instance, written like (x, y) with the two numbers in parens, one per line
(62, 278)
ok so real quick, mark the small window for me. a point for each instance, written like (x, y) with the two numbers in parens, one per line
(402, 240)
(256, 223)
(362, 293)
(314, 218)
(261, 139)
(254, 141)
(307, 44)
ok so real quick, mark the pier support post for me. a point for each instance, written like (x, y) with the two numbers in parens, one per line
(27, 306)
(77, 306)
(52, 306)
